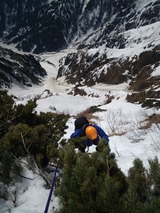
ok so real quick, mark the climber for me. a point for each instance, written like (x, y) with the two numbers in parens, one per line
(93, 133)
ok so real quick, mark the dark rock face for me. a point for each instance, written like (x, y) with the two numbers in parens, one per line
(12, 12)
(19, 69)
(39, 26)
(47, 27)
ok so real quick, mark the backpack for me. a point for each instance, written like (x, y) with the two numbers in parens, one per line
(81, 122)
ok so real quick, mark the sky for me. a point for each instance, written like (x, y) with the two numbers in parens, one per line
(121, 120)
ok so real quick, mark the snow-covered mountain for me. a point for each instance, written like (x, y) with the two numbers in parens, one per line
(58, 24)
(93, 28)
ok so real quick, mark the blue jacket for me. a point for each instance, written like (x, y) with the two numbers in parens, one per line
(89, 142)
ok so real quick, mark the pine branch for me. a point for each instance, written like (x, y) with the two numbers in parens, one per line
(33, 164)
(18, 174)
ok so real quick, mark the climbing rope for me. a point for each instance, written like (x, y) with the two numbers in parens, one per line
(51, 191)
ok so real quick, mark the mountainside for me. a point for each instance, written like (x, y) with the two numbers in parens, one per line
(136, 64)
(57, 24)
(20, 69)
(94, 28)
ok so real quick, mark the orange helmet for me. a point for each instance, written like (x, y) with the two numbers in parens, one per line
(91, 132)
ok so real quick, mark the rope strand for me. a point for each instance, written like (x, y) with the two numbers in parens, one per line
(51, 191)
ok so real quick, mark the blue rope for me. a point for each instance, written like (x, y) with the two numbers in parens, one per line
(51, 191)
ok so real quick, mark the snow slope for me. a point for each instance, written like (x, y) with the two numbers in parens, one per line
(120, 120)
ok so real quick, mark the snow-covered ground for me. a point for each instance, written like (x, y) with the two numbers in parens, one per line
(120, 120)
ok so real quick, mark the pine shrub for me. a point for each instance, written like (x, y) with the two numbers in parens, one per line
(92, 182)
(23, 132)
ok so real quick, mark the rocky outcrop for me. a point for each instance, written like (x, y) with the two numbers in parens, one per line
(145, 84)
(19, 69)
(84, 68)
